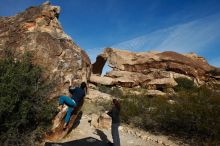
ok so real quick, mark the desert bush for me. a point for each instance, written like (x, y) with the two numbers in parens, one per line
(194, 115)
(114, 91)
(23, 107)
(135, 109)
(185, 84)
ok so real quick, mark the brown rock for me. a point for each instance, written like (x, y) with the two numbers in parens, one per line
(102, 121)
(99, 64)
(97, 96)
(57, 132)
(169, 82)
(129, 79)
(150, 69)
(38, 30)
(101, 80)
(155, 93)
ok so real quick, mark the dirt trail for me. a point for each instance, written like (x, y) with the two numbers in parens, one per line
(89, 135)
(85, 134)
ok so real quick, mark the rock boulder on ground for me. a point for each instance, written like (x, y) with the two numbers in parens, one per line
(38, 31)
(144, 69)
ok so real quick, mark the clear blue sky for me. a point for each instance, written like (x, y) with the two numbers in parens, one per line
(137, 25)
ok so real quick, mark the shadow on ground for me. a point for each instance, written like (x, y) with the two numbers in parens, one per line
(102, 135)
(89, 141)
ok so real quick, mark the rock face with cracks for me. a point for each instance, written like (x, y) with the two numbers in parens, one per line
(152, 70)
(38, 31)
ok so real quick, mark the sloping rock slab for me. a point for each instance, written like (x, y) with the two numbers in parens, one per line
(57, 132)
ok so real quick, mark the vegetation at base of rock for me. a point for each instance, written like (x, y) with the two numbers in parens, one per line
(193, 113)
(24, 112)
(185, 84)
(114, 91)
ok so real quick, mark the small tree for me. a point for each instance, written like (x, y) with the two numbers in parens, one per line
(23, 107)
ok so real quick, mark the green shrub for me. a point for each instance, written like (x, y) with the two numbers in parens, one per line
(23, 106)
(195, 114)
(114, 91)
(134, 108)
(185, 84)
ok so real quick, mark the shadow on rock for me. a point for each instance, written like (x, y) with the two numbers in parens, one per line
(77, 121)
(89, 141)
(102, 135)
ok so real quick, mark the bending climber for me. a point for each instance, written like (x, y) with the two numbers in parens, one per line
(114, 113)
(77, 95)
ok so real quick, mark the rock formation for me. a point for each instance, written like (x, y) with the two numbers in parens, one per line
(102, 121)
(151, 70)
(38, 31)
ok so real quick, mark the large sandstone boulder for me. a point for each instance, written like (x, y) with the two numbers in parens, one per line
(38, 30)
(154, 69)
(101, 80)
(102, 121)
(95, 95)
(170, 82)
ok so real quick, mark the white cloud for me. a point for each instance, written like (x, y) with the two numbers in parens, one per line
(145, 42)
(194, 36)
(187, 37)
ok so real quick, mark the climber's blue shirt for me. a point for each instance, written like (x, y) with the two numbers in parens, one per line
(77, 94)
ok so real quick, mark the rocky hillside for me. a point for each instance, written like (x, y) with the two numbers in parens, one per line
(152, 70)
(38, 31)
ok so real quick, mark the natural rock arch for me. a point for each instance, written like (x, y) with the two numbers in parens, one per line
(100, 62)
